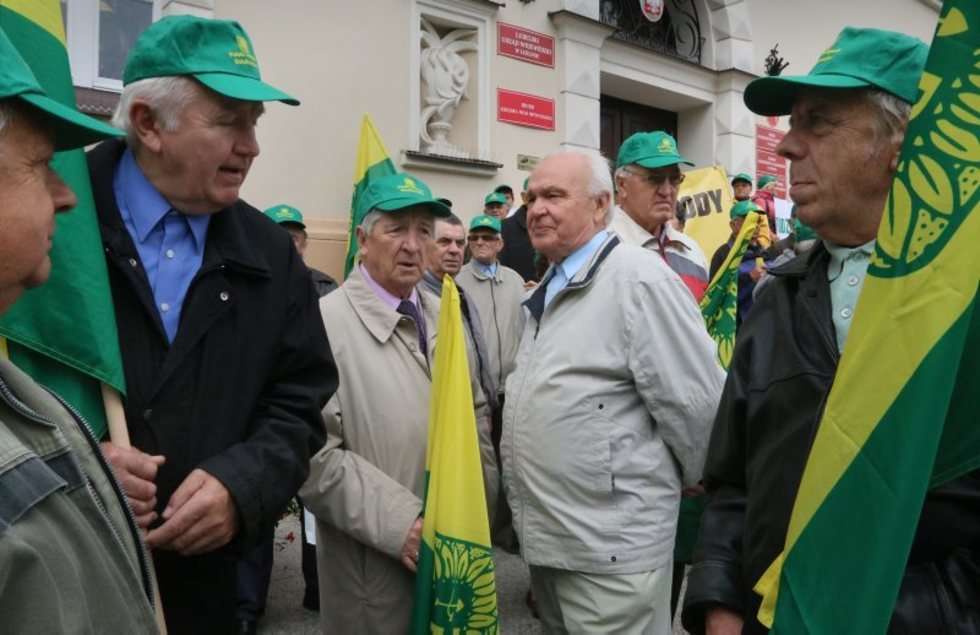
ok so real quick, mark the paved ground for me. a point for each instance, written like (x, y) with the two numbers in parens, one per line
(285, 614)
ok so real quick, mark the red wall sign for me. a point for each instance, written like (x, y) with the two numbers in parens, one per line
(766, 159)
(526, 45)
(525, 110)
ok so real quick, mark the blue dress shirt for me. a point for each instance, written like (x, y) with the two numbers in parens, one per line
(489, 271)
(170, 244)
(567, 268)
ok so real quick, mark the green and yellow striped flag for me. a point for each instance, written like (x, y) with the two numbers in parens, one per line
(719, 305)
(899, 418)
(455, 588)
(63, 334)
(372, 163)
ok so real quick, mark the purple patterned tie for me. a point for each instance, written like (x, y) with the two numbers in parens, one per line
(407, 307)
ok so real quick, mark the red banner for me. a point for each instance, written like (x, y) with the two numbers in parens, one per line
(525, 110)
(766, 159)
(525, 45)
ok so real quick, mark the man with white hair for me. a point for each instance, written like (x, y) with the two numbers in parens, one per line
(608, 411)
(226, 360)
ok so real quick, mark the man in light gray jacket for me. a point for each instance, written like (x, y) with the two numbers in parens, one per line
(608, 411)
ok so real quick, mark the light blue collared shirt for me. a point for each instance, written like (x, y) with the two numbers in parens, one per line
(567, 268)
(170, 244)
(489, 271)
(846, 271)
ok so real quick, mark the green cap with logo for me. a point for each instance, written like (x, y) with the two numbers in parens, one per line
(765, 180)
(650, 150)
(495, 197)
(399, 191)
(744, 208)
(217, 53)
(71, 128)
(286, 214)
(860, 58)
(484, 221)
(742, 176)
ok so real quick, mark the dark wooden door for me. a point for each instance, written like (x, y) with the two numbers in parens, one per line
(618, 119)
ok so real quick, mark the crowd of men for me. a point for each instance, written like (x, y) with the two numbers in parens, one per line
(598, 396)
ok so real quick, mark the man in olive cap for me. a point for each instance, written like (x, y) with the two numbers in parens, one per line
(765, 197)
(226, 361)
(848, 119)
(291, 219)
(751, 267)
(71, 556)
(517, 252)
(495, 204)
(367, 484)
(742, 186)
(648, 178)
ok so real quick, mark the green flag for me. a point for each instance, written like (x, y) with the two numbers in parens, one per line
(719, 305)
(372, 163)
(455, 588)
(63, 333)
(900, 416)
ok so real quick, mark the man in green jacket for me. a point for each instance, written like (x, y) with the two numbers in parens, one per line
(71, 557)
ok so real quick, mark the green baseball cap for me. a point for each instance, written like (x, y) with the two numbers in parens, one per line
(285, 214)
(742, 176)
(650, 150)
(217, 53)
(765, 180)
(495, 197)
(399, 191)
(526, 179)
(71, 128)
(743, 209)
(890, 61)
(485, 222)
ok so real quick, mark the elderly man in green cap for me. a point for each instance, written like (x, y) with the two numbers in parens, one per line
(71, 556)
(291, 219)
(495, 204)
(648, 178)
(366, 485)
(847, 123)
(752, 265)
(226, 361)
(742, 186)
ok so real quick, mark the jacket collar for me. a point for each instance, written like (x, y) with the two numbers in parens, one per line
(228, 242)
(535, 303)
(800, 266)
(380, 319)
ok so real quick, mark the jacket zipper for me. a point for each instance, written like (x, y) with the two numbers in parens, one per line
(141, 554)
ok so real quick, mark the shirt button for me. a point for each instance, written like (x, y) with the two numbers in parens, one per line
(132, 262)
(846, 312)
(170, 253)
(224, 296)
(147, 414)
(164, 307)
(852, 281)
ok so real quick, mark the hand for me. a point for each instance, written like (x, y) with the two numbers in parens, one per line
(721, 621)
(694, 490)
(530, 284)
(756, 273)
(136, 472)
(410, 550)
(199, 517)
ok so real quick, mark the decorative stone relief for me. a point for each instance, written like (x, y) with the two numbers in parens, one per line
(445, 75)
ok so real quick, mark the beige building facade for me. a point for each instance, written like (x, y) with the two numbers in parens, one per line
(613, 72)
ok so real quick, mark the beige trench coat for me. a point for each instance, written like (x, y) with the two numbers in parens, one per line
(365, 485)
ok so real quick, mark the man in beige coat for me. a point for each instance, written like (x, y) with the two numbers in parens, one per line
(366, 484)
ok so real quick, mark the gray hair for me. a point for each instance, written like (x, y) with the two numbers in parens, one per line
(600, 177)
(166, 96)
(369, 220)
(6, 114)
(892, 115)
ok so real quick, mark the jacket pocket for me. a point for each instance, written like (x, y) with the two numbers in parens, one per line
(24, 485)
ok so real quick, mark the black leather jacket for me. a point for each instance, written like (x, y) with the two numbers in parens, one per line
(784, 363)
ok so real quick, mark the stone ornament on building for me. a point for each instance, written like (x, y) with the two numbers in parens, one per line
(445, 75)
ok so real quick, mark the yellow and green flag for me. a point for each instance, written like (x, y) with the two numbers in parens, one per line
(719, 305)
(900, 416)
(372, 163)
(455, 588)
(63, 333)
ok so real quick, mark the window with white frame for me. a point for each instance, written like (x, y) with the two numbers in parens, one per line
(100, 34)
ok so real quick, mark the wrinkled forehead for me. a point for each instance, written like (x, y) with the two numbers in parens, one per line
(568, 172)
(827, 101)
(445, 229)
(35, 138)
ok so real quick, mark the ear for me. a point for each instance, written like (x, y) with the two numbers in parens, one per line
(361, 237)
(145, 126)
(602, 204)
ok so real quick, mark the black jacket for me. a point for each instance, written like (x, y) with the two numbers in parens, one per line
(782, 370)
(518, 253)
(239, 392)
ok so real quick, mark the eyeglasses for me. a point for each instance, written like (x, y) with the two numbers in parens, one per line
(656, 179)
(476, 238)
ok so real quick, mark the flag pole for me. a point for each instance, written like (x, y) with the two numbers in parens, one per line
(115, 415)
